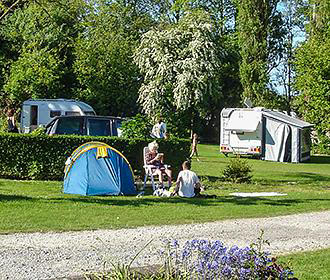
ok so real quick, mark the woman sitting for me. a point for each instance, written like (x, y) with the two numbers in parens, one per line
(152, 157)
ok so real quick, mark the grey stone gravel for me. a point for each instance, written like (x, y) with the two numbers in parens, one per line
(57, 255)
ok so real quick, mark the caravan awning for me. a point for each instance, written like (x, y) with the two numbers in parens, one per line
(246, 121)
(279, 116)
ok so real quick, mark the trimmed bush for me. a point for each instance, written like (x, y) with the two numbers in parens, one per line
(237, 171)
(42, 157)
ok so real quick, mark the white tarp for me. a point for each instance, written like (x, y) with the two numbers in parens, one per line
(247, 121)
(277, 134)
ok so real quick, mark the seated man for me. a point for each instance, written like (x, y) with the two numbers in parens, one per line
(152, 157)
(187, 184)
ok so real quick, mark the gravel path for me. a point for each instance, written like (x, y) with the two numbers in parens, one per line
(54, 255)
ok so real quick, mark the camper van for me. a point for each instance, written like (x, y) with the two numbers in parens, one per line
(266, 134)
(39, 112)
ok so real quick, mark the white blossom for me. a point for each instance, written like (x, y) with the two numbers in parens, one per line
(179, 61)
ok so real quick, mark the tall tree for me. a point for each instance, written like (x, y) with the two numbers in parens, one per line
(293, 34)
(259, 40)
(312, 66)
(39, 41)
(104, 51)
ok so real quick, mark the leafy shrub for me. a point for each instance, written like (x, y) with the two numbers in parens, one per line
(39, 131)
(3, 124)
(237, 171)
(42, 157)
(322, 147)
(137, 127)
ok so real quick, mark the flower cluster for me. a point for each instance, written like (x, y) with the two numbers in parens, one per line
(202, 259)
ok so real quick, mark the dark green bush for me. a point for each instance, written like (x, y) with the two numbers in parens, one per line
(237, 171)
(137, 127)
(42, 157)
(322, 147)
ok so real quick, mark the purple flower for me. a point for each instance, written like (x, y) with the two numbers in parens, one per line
(175, 243)
(226, 271)
(244, 273)
(202, 259)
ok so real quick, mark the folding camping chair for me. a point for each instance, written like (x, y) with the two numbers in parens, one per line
(148, 170)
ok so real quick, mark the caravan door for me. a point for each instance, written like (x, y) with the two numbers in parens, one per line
(43, 114)
(29, 118)
(277, 141)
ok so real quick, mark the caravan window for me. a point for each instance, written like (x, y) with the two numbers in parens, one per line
(89, 113)
(237, 132)
(53, 114)
(72, 113)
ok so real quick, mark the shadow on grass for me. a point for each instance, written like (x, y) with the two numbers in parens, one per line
(5, 197)
(309, 176)
(211, 178)
(319, 160)
(301, 178)
(202, 202)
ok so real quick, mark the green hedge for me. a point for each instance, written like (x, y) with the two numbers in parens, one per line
(26, 156)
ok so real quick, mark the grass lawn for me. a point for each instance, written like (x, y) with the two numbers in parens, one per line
(27, 206)
(309, 265)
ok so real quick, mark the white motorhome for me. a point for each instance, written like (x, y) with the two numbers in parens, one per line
(39, 112)
(267, 134)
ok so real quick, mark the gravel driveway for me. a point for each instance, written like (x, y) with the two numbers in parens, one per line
(55, 255)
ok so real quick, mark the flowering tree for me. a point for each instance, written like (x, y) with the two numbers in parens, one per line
(179, 64)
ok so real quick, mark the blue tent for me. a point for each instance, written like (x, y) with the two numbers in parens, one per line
(96, 168)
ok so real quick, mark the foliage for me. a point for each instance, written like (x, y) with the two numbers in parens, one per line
(258, 34)
(179, 64)
(313, 70)
(322, 147)
(104, 68)
(237, 171)
(37, 61)
(137, 127)
(292, 20)
(39, 131)
(3, 124)
(27, 156)
(35, 74)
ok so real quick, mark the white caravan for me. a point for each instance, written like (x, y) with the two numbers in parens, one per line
(267, 134)
(39, 112)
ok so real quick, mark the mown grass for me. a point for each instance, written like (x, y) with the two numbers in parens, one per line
(27, 206)
(309, 265)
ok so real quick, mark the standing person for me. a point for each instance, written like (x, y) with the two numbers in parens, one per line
(152, 157)
(11, 121)
(194, 150)
(159, 129)
(187, 184)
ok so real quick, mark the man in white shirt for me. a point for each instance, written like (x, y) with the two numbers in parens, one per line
(187, 184)
(159, 129)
